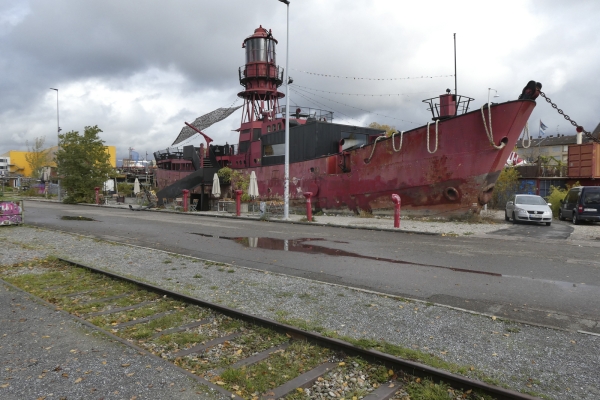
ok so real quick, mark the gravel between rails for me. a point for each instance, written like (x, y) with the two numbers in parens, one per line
(557, 364)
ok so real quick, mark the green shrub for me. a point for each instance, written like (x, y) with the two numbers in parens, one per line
(506, 187)
(556, 195)
(224, 175)
(125, 189)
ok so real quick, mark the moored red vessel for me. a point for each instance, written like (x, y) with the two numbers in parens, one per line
(446, 167)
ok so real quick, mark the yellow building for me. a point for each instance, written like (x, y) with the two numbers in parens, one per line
(19, 165)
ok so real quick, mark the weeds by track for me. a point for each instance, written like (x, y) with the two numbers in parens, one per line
(235, 353)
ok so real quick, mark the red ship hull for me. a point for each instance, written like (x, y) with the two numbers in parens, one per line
(457, 178)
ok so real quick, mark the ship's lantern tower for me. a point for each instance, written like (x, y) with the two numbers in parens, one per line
(260, 77)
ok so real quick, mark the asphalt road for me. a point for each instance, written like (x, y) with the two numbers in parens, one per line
(524, 272)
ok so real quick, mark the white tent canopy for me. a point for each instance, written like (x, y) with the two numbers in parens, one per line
(216, 188)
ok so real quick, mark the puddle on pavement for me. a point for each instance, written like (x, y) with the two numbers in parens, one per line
(301, 246)
(79, 218)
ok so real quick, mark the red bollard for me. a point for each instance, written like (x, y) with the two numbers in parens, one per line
(186, 194)
(97, 190)
(308, 195)
(238, 199)
(396, 200)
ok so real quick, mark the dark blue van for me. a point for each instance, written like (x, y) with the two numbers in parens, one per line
(581, 203)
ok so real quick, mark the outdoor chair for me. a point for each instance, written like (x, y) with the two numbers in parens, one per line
(193, 205)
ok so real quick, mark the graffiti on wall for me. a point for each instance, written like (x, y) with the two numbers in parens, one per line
(11, 212)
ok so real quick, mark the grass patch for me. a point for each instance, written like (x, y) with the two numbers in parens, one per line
(180, 340)
(279, 368)
(365, 214)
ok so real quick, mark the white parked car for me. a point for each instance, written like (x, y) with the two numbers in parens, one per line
(527, 207)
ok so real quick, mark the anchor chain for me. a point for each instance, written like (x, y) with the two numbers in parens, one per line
(561, 112)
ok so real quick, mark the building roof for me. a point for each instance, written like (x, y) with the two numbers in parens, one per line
(596, 132)
(552, 140)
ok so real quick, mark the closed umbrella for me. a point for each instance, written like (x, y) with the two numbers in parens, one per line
(253, 186)
(136, 186)
(216, 187)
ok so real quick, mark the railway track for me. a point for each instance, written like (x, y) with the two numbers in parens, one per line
(235, 353)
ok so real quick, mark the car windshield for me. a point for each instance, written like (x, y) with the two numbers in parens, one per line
(591, 197)
(530, 200)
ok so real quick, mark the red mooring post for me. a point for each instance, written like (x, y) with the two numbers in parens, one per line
(396, 200)
(238, 199)
(97, 190)
(308, 195)
(186, 195)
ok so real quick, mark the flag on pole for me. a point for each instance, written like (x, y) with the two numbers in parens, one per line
(542, 128)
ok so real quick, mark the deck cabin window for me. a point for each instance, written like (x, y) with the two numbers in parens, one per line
(260, 50)
(256, 132)
(244, 146)
(271, 150)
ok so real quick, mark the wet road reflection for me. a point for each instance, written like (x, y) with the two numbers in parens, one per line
(301, 246)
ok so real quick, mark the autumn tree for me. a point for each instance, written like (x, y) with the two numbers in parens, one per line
(83, 163)
(387, 128)
(36, 157)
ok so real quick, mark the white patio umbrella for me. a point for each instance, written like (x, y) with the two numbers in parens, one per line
(136, 186)
(253, 186)
(216, 188)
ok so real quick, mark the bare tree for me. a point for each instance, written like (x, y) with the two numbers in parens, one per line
(36, 156)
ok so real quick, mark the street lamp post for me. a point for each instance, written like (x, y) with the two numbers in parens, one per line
(57, 138)
(286, 181)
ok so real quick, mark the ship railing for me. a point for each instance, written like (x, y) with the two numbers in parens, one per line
(307, 113)
(260, 70)
(462, 107)
(172, 153)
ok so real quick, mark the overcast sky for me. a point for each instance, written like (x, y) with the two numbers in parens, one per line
(140, 69)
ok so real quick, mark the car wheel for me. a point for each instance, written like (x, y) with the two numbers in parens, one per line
(560, 215)
(548, 223)
(506, 218)
(514, 218)
(575, 219)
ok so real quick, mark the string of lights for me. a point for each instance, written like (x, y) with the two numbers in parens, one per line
(322, 105)
(361, 94)
(357, 108)
(373, 79)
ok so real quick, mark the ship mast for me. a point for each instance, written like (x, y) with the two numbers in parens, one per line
(455, 78)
